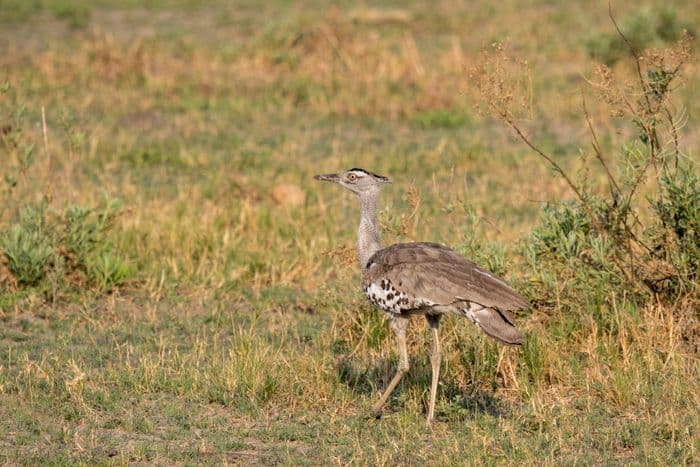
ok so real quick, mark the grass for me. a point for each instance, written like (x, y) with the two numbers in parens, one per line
(240, 335)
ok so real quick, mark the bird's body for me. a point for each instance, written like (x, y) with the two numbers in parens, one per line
(429, 278)
(424, 278)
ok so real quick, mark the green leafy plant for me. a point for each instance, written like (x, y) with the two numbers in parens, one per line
(28, 246)
(678, 210)
(108, 270)
(70, 248)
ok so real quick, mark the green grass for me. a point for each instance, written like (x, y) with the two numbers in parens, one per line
(240, 334)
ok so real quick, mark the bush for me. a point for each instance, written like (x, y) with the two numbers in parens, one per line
(678, 212)
(69, 249)
(27, 247)
(611, 238)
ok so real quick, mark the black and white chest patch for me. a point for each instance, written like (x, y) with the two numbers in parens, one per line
(385, 296)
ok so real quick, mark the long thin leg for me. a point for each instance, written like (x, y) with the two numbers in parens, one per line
(399, 325)
(435, 359)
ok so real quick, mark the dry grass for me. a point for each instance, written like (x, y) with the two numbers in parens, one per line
(241, 338)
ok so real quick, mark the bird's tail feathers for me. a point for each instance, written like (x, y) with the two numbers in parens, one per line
(496, 325)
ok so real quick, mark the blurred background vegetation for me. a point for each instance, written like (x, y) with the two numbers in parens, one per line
(175, 287)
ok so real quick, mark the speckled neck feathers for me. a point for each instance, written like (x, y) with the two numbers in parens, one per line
(368, 238)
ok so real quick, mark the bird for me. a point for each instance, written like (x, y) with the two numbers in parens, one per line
(421, 278)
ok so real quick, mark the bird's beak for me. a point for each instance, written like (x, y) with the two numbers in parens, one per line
(328, 177)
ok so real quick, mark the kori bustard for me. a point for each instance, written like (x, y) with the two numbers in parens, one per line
(424, 278)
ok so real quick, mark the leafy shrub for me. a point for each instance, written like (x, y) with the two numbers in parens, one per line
(613, 238)
(678, 211)
(27, 246)
(70, 248)
(108, 270)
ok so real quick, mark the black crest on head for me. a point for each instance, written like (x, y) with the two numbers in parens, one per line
(357, 169)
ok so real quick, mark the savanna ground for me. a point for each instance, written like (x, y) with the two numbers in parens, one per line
(203, 303)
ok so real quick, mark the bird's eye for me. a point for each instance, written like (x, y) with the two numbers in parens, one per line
(352, 177)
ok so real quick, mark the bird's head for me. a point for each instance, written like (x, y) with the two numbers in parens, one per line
(359, 181)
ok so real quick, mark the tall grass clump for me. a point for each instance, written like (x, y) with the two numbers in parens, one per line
(637, 232)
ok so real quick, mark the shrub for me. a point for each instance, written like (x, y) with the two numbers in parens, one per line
(677, 208)
(71, 249)
(613, 238)
(27, 246)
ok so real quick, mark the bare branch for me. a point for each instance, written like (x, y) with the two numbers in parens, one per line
(674, 134)
(635, 54)
(651, 132)
(551, 161)
(597, 149)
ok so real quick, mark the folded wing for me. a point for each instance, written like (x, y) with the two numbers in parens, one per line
(435, 274)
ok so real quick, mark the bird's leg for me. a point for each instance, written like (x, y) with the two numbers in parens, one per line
(435, 359)
(399, 324)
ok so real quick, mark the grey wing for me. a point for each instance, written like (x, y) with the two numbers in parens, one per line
(434, 275)
(442, 276)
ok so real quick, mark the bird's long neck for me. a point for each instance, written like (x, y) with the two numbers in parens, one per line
(368, 239)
